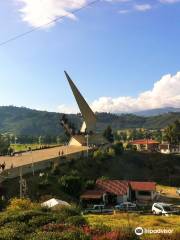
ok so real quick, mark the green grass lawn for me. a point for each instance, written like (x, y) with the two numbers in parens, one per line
(25, 147)
(132, 220)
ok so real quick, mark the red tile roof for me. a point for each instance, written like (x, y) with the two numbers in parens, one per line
(92, 194)
(116, 187)
(144, 141)
(143, 186)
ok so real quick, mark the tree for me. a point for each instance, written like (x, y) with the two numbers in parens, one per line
(108, 134)
(71, 184)
(118, 148)
(172, 133)
(4, 144)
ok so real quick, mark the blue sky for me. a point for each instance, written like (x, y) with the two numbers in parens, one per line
(117, 52)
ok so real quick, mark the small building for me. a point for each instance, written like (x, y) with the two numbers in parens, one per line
(167, 148)
(93, 140)
(112, 192)
(95, 196)
(108, 192)
(142, 192)
(78, 140)
(116, 190)
(146, 145)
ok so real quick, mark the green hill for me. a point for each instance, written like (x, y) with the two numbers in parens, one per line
(24, 121)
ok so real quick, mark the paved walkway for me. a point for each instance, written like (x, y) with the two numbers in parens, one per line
(38, 155)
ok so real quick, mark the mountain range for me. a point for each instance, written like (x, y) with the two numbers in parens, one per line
(157, 111)
(25, 121)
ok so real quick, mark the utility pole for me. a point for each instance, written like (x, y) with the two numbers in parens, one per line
(22, 185)
(20, 182)
(32, 161)
(87, 136)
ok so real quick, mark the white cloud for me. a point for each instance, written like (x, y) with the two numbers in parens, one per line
(169, 1)
(39, 12)
(67, 109)
(142, 7)
(165, 92)
(124, 11)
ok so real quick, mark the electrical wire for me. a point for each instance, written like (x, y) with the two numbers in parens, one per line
(46, 24)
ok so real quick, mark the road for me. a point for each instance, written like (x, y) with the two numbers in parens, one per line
(38, 155)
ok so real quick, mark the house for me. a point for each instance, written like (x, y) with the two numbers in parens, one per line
(53, 202)
(116, 190)
(142, 192)
(146, 145)
(112, 192)
(167, 148)
(107, 192)
(96, 196)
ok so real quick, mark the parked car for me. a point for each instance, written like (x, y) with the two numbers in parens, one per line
(126, 206)
(99, 208)
(163, 209)
(178, 191)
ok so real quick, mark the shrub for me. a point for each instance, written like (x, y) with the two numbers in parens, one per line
(38, 221)
(17, 204)
(24, 216)
(53, 227)
(90, 184)
(173, 236)
(21, 227)
(8, 234)
(77, 235)
(111, 152)
(77, 221)
(71, 184)
(117, 235)
(69, 211)
(118, 148)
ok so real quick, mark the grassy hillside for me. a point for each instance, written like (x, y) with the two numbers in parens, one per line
(24, 219)
(24, 121)
(163, 169)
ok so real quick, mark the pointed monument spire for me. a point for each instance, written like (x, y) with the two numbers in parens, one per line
(87, 114)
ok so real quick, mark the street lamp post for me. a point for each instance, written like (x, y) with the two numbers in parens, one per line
(32, 161)
(87, 141)
(20, 183)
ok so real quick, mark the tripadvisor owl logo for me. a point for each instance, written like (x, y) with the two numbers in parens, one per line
(139, 231)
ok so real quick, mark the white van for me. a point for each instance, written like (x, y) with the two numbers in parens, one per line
(163, 209)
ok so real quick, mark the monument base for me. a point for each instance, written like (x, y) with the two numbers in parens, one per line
(93, 140)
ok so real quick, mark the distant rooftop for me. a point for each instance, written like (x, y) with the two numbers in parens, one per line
(144, 141)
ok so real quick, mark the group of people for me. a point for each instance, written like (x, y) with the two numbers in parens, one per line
(61, 153)
(2, 166)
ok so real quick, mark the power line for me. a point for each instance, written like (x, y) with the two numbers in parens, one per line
(46, 24)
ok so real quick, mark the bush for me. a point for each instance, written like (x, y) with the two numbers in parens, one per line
(173, 236)
(38, 221)
(8, 234)
(117, 235)
(90, 184)
(77, 235)
(71, 184)
(24, 216)
(17, 204)
(69, 211)
(118, 148)
(111, 152)
(77, 221)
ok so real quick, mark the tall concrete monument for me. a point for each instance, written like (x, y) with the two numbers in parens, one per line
(88, 129)
(89, 117)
